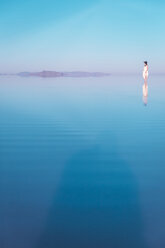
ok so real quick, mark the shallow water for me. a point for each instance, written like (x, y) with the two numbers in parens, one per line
(82, 163)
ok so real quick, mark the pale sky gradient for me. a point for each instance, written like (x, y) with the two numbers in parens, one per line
(89, 35)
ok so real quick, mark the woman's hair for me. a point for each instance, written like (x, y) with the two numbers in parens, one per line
(145, 62)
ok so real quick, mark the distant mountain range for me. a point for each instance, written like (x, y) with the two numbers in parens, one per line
(59, 74)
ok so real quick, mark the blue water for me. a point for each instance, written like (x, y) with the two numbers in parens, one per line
(82, 163)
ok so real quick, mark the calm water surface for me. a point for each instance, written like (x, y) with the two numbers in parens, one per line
(82, 163)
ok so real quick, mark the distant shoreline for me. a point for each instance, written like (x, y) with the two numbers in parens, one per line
(53, 74)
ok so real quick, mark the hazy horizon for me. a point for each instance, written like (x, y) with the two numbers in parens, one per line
(107, 36)
(82, 71)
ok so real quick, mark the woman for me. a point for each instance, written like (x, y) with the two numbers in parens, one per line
(145, 76)
(145, 70)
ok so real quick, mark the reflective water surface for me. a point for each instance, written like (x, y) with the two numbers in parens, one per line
(82, 163)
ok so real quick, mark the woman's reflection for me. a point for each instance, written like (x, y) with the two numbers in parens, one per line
(145, 86)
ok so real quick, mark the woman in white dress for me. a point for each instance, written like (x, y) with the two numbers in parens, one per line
(145, 76)
(145, 70)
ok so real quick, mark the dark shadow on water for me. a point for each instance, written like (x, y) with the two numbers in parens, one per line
(97, 204)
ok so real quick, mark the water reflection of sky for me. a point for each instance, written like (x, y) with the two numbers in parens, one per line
(82, 162)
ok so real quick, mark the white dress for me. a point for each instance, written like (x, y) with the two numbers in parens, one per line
(145, 72)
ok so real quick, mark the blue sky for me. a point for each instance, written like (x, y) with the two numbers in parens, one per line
(91, 35)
